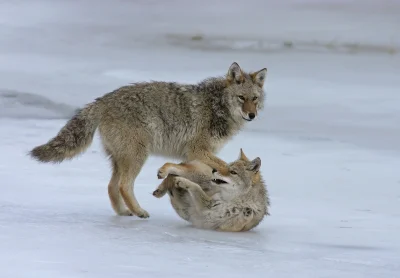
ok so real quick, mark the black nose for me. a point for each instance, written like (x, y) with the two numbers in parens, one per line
(214, 170)
(252, 115)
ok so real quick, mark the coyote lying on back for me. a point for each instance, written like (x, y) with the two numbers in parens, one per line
(184, 121)
(232, 202)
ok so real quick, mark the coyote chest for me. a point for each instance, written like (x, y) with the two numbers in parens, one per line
(217, 144)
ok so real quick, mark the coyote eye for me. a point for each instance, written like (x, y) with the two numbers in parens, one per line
(233, 172)
(255, 98)
(241, 97)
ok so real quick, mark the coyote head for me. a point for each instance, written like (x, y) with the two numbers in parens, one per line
(240, 175)
(244, 92)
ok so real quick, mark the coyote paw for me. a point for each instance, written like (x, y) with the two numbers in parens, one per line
(162, 172)
(158, 193)
(142, 214)
(247, 212)
(180, 183)
(126, 212)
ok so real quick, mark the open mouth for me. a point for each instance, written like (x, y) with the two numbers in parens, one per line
(218, 181)
(249, 120)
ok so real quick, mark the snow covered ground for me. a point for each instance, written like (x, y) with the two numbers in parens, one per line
(328, 138)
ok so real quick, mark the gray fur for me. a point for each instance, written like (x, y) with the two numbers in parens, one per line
(238, 205)
(186, 121)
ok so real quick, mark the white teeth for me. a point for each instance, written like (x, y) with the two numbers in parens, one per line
(218, 181)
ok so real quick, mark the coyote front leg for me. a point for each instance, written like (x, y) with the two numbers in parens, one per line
(129, 169)
(172, 169)
(199, 197)
(165, 185)
(114, 193)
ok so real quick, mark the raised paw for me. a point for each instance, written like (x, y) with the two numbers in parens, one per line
(180, 183)
(158, 193)
(162, 173)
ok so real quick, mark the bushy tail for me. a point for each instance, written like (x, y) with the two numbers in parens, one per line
(74, 138)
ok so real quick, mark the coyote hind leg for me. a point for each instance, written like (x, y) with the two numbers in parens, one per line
(116, 200)
(129, 168)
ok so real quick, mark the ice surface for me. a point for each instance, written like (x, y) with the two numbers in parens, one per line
(328, 138)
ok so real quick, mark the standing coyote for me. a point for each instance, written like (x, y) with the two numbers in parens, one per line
(164, 118)
(232, 202)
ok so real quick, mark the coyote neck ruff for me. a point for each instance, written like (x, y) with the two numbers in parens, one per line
(165, 118)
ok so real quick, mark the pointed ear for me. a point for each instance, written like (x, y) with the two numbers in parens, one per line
(235, 74)
(255, 165)
(242, 156)
(259, 77)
